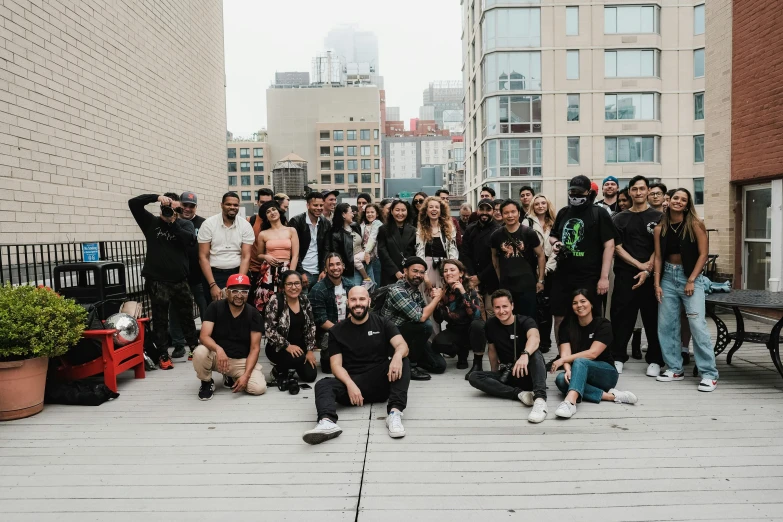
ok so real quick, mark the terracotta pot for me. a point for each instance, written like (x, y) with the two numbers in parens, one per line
(22, 385)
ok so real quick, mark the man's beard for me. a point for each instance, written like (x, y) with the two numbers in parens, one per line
(484, 219)
(229, 217)
(360, 315)
(415, 281)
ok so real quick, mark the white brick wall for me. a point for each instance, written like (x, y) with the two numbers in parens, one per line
(101, 100)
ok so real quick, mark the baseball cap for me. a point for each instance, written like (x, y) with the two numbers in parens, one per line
(594, 186)
(610, 178)
(414, 260)
(487, 202)
(579, 183)
(238, 280)
(326, 193)
(188, 197)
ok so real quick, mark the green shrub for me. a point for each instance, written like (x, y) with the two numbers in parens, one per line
(36, 322)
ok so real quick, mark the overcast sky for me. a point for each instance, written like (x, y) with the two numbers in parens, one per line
(418, 40)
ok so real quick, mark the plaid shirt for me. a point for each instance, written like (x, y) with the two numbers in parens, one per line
(404, 304)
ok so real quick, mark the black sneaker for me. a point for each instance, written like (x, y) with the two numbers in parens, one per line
(228, 381)
(274, 376)
(686, 358)
(478, 366)
(178, 353)
(462, 364)
(417, 374)
(207, 390)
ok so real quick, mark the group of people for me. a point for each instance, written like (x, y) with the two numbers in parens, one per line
(386, 292)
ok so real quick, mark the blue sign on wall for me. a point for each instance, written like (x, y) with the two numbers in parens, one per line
(90, 252)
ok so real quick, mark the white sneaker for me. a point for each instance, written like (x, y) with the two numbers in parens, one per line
(323, 431)
(566, 410)
(526, 397)
(539, 412)
(394, 424)
(669, 376)
(653, 370)
(707, 384)
(618, 366)
(623, 397)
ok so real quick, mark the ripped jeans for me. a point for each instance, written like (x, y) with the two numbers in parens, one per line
(673, 285)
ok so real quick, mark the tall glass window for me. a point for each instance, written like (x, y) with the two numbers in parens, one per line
(573, 107)
(698, 106)
(353, 165)
(573, 150)
(338, 135)
(631, 106)
(244, 153)
(698, 19)
(698, 191)
(630, 149)
(258, 153)
(631, 19)
(350, 135)
(698, 63)
(512, 114)
(232, 153)
(572, 21)
(572, 65)
(512, 72)
(698, 149)
(631, 63)
(258, 166)
(503, 28)
(505, 158)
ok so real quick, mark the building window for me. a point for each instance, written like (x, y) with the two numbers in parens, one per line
(258, 153)
(504, 158)
(353, 165)
(326, 165)
(512, 72)
(339, 179)
(573, 107)
(352, 150)
(698, 63)
(630, 149)
(698, 106)
(376, 150)
(377, 177)
(511, 115)
(758, 214)
(698, 191)
(232, 166)
(573, 150)
(324, 135)
(377, 193)
(377, 163)
(698, 148)
(326, 151)
(364, 134)
(338, 135)
(246, 195)
(352, 178)
(339, 151)
(366, 177)
(244, 153)
(244, 166)
(365, 150)
(511, 28)
(572, 21)
(631, 106)
(350, 135)
(258, 166)
(245, 180)
(631, 63)
(572, 65)
(698, 19)
(339, 164)
(375, 134)
(232, 153)
(258, 179)
(631, 19)
(232, 181)
(366, 164)
(326, 178)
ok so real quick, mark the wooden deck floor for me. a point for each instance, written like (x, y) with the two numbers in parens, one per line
(157, 453)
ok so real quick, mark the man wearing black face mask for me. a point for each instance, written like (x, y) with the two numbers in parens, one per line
(583, 236)
(477, 253)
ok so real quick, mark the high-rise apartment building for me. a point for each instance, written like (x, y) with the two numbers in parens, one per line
(247, 170)
(405, 155)
(442, 96)
(552, 91)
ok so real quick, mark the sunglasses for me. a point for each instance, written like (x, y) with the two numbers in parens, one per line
(418, 201)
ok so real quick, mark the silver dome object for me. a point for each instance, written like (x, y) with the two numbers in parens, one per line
(126, 326)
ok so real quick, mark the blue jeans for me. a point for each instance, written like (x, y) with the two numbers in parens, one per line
(590, 379)
(356, 278)
(175, 330)
(374, 271)
(673, 286)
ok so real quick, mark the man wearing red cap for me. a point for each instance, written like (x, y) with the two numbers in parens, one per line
(230, 342)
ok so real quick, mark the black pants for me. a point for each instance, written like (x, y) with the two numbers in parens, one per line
(221, 278)
(284, 361)
(525, 303)
(374, 385)
(535, 381)
(177, 296)
(544, 317)
(626, 304)
(459, 339)
(421, 354)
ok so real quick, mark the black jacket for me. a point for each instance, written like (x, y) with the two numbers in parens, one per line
(301, 224)
(341, 241)
(689, 251)
(477, 255)
(167, 243)
(393, 248)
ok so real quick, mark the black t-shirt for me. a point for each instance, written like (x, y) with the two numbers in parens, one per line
(233, 333)
(599, 330)
(195, 276)
(363, 346)
(583, 232)
(435, 248)
(635, 234)
(297, 329)
(517, 259)
(502, 337)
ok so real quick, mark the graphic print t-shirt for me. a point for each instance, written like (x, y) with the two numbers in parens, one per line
(341, 300)
(516, 258)
(635, 234)
(583, 232)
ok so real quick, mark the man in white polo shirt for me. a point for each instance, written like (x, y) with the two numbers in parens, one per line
(224, 245)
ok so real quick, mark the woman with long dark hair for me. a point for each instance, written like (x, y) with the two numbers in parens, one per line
(396, 241)
(681, 250)
(589, 373)
(370, 223)
(417, 205)
(346, 239)
(290, 330)
(277, 247)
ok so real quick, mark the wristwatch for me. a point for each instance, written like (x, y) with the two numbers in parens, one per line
(541, 281)
(526, 353)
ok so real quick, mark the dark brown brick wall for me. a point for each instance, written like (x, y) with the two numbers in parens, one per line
(757, 91)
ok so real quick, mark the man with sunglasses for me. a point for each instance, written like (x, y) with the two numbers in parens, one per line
(231, 342)
(166, 268)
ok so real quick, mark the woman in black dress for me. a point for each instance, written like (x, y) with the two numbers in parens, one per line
(396, 241)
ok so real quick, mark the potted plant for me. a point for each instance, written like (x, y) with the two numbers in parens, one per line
(35, 324)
